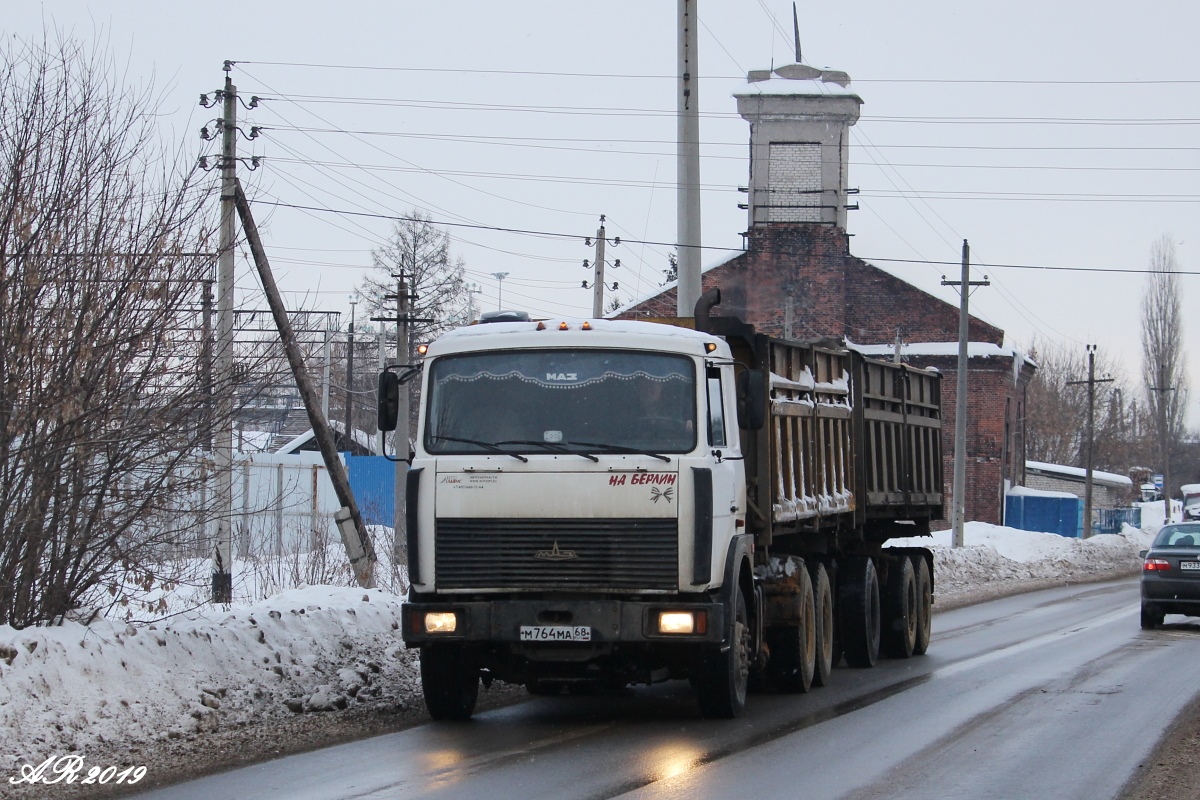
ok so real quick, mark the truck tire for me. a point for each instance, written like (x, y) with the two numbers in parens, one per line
(449, 681)
(722, 678)
(794, 647)
(924, 605)
(823, 612)
(858, 615)
(900, 609)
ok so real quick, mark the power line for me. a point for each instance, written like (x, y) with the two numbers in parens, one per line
(783, 35)
(559, 235)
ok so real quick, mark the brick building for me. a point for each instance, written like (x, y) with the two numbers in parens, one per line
(797, 278)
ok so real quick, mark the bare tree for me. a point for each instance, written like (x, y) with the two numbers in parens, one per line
(420, 250)
(1164, 372)
(102, 409)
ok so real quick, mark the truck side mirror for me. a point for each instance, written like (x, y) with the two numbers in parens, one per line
(752, 399)
(389, 400)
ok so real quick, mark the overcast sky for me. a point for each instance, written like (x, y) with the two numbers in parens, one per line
(1047, 133)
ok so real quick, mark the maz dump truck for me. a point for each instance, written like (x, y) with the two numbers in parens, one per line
(593, 504)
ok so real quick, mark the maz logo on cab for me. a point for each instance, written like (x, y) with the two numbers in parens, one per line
(554, 554)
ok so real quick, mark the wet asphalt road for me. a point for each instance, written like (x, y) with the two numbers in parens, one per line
(1054, 694)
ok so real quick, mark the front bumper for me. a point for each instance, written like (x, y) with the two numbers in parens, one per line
(611, 621)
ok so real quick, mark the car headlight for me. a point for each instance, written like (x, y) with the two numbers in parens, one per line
(441, 622)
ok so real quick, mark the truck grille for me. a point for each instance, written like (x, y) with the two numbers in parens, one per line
(574, 553)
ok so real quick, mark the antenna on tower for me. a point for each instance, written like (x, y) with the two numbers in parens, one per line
(796, 30)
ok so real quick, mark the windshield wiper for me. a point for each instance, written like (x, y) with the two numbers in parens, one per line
(489, 446)
(556, 448)
(620, 448)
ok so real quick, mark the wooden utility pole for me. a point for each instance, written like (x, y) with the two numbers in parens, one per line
(1091, 430)
(358, 545)
(960, 392)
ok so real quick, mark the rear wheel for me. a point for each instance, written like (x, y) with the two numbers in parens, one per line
(1151, 617)
(924, 605)
(449, 681)
(794, 648)
(722, 678)
(858, 616)
(823, 612)
(900, 610)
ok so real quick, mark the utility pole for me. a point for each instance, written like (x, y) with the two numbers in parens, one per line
(1164, 437)
(688, 162)
(1091, 428)
(350, 377)
(960, 391)
(325, 356)
(222, 575)
(359, 550)
(206, 361)
(598, 288)
(382, 363)
(400, 492)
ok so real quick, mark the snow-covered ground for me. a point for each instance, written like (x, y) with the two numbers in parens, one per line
(75, 688)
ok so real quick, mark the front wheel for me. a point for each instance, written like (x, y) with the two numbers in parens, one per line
(722, 678)
(449, 681)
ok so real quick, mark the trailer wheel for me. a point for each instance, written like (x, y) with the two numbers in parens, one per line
(722, 678)
(924, 605)
(858, 617)
(900, 609)
(449, 681)
(794, 648)
(823, 611)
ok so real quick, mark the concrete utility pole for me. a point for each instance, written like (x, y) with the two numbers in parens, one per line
(1091, 427)
(222, 576)
(688, 162)
(598, 289)
(400, 493)
(960, 391)
(359, 550)
(381, 364)
(325, 357)
(350, 377)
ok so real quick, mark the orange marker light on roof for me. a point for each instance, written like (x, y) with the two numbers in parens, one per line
(422, 349)
(562, 326)
(710, 347)
(587, 326)
(541, 326)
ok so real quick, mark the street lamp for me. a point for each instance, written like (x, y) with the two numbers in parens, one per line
(499, 276)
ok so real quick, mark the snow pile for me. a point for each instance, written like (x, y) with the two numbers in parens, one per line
(994, 558)
(315, 648)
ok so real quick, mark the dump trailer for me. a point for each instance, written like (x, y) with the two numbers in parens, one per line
(598, 503)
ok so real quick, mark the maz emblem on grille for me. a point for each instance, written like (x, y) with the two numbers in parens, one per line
(554, 554)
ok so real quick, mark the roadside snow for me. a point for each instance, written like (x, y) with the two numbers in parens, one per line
(75, 688)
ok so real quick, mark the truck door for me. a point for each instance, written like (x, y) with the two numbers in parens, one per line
(728, 469)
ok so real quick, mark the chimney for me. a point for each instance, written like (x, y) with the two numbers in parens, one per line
(800, 120)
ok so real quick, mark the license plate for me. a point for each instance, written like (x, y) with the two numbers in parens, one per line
(1190, 565)
(556, 633)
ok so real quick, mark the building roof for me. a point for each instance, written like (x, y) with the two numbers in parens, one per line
(1078, 473)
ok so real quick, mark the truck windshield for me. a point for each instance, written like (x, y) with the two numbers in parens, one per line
(578, 400)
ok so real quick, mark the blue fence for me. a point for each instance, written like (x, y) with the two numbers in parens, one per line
(372, 479)
(1110, 520)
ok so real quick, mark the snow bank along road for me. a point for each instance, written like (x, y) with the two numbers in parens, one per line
(110, 685)
(1055, 693)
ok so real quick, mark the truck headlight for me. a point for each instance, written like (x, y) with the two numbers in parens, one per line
(682, 621)
(441, 622)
